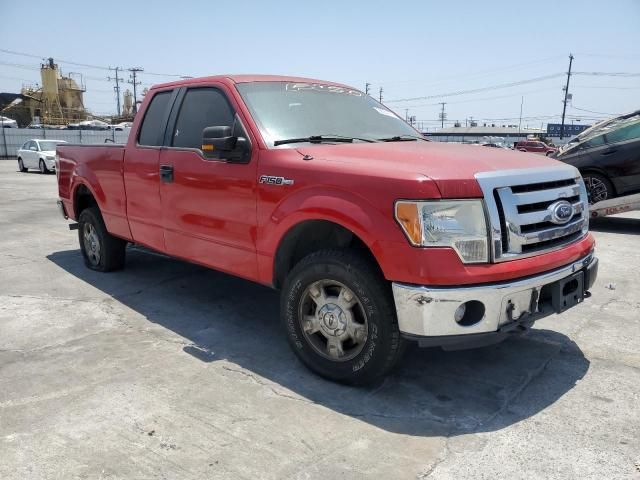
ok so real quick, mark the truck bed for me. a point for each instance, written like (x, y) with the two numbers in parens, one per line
(102, 166)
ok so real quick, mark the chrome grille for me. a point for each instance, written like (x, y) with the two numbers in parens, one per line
(520, 209)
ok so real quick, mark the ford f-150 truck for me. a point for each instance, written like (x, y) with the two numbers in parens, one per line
(373, 234)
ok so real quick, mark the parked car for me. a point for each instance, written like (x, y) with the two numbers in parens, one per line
(493, 145)
(608, 157)
(6, 122)
(535, 146)
(89, 125)
(40, 154)
(121, 127)
(374, 235)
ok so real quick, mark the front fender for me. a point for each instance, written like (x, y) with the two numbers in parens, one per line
(370, 223)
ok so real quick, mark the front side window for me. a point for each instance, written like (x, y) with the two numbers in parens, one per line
(288, 110)
(201, 108)
(152, 129)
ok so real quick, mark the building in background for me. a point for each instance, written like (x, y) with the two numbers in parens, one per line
(57, 101)
(507, 135)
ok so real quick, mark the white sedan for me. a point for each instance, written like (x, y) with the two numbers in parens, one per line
(40, 154)
(6, 122)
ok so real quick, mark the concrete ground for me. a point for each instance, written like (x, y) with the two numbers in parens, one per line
(169, 370)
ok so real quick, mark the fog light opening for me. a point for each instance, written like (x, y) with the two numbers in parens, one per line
(469, 313)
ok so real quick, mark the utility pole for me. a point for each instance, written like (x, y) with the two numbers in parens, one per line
(366, 88)
(520, 121)
(117, 87)
(406, 114)
(442, 114)
(380, 98)
(566, 92)
(132, 80)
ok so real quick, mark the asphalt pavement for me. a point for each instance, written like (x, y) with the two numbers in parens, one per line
(170, 370)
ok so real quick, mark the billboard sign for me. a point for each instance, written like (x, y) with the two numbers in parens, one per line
(553, 129)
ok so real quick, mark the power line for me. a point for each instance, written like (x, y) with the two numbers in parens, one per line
(480, 73)
(609, 74)
(591, 111)
(483, 89)
(86, 65)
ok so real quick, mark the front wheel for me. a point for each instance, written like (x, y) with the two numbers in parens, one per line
(339, 315)
(598, 186)
(43, 167)
(101, 250)
(21, 166)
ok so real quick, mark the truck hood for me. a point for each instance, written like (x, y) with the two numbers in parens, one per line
(452, 166)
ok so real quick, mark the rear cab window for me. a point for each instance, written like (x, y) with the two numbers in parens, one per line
(153, 124)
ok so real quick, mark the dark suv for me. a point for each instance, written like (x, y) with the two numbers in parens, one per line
(608, 157)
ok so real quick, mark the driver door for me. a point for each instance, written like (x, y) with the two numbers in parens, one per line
(209, 205)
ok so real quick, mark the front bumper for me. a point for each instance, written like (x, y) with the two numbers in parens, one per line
(427, 313)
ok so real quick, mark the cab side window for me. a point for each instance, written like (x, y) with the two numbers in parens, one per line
(201, 108)
(152, 129)
(623, 134)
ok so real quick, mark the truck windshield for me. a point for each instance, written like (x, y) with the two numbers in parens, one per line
(287, 111)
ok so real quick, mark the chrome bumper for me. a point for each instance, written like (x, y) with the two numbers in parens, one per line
(429, 311)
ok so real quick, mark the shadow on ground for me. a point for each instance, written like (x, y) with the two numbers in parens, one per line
(616, 225)
(431, 393)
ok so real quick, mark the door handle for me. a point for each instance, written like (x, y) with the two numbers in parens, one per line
(609, 152)
(166, 173)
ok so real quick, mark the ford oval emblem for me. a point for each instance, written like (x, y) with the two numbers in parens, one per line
(561, 212)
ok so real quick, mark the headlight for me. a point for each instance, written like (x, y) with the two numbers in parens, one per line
(50, 157)
(459, 224)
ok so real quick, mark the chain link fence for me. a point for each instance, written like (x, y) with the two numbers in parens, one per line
(11, 139)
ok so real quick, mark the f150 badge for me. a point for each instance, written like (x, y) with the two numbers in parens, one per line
(271, 180)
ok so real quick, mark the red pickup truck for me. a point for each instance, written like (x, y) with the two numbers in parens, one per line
(374, 235)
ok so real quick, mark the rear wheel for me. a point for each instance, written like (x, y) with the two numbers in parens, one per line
(340, 319)
(101, 250)
(599, 187)
(21, 166)
(43, 167)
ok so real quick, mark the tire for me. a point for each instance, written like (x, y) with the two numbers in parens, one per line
(43, 167)
(21, 166)
(599, 187)
(373, 344)
(101, 251)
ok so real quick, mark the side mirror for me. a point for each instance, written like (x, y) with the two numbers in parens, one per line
(219, 143)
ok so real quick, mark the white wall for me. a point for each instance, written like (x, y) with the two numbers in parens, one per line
(11, 139)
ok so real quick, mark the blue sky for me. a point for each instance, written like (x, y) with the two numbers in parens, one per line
(411, 49)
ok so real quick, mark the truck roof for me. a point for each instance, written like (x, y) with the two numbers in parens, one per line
(245, 79)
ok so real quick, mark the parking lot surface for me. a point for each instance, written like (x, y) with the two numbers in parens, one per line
(170, 370)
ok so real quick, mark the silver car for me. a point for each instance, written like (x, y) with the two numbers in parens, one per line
(40, 154)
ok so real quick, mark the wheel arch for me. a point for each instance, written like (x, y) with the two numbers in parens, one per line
(83, 197)
(311, 235)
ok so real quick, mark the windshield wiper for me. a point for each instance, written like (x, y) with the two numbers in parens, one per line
(402, 138)
(321, 138)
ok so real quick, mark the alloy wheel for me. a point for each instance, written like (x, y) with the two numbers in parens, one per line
(91, 244)
(333, 320)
